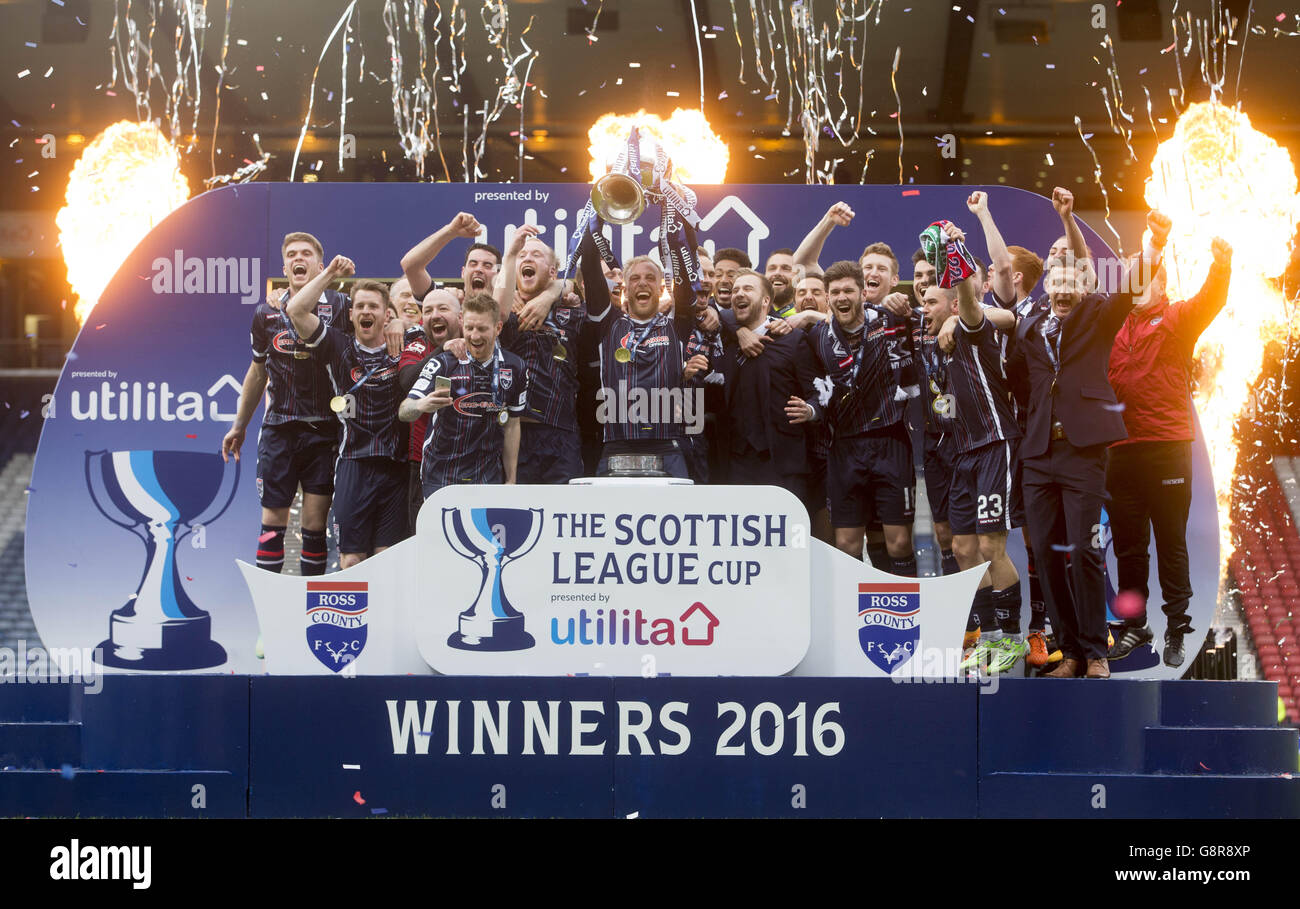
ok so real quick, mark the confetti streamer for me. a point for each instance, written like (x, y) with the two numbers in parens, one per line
(893, 80)
(1096, 176)
(311, 91)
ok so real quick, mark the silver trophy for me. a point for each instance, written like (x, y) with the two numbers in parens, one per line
(152, 494)
(491, 537)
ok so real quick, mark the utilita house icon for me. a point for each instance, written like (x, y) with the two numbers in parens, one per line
(697, 625)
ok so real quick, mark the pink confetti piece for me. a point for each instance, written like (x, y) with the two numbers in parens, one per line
(356, 797)
(911, 192)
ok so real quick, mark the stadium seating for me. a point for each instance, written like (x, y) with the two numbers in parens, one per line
(1267, 549)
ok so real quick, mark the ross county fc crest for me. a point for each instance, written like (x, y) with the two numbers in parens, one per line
(891, 625)
(507, 377)
(336, 621)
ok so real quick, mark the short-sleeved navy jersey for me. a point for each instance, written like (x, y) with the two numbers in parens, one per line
(871, 400)
(297, 386)
(469, 430)
(370, 425)
(982, 405)
(552, 381)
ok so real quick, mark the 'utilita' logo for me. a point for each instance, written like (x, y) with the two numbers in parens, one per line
(891, 623)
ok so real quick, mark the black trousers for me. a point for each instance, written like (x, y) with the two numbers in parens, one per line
(1150, 485)
(1064, 491)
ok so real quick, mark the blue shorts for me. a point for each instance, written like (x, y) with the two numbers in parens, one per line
(435, 476)
(985, 494)
(370, 509)
(289, 454)
(548, 454)
(870, 479)
(938, 467)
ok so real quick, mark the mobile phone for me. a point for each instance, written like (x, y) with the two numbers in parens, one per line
(441, 382)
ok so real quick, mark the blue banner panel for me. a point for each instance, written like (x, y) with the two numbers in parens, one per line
(795, 748)
(433, 747)
(165, 723)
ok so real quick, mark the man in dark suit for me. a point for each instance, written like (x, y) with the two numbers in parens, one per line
(767, 441)
(1063, 352)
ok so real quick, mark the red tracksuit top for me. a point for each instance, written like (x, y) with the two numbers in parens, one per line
(1150, 364)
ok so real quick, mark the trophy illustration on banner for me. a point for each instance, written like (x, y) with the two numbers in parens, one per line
(151, 494)
(492, 537)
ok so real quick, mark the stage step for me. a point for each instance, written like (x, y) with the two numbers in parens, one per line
(1066, 725)
(1134, 795)
(1227, 750)
(121, 793)
(34, 703)
(1218, 704)
(39, 745)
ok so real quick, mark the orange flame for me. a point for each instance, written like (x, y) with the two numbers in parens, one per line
(698, 154)
(1219, 176)
(126, 181)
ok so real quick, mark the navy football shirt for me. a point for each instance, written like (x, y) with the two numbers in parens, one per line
(465, 438)
(864, 397)
(297, 387)
(983, 409)
(369, 376)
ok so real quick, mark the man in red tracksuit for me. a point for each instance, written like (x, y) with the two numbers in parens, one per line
(1149, 476)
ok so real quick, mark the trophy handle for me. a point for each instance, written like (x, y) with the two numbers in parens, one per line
(225, 495)
(99, 492)
(534, 534)
(450, 520)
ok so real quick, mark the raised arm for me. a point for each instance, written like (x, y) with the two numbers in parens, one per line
(1004, 286)
(302, 305)
(593, 280)
(1063, 202)
(1119, 305)
(810, 250)
(505, 292)
(1205, 307)
(415, 264)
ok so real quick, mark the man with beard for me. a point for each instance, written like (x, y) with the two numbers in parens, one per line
(482, 260)
(810, 295)
(1013, 275)
(984, 499)
(1073, 418)
(474, 434)
(299, 435)
(727, 263)
(642, 356)
(780, 271)
(369, 478)
(870, 476)
(544, 331)
(706, 276)
(441, 312)
(766, 398)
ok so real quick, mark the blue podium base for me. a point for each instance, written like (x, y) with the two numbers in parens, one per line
(235, 746)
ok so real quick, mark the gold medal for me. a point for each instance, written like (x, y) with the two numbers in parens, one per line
(559, 353)
(503, 418)
(934, 387)
(339, 403)
(941, 405)
(301, 355)
(623, 355)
